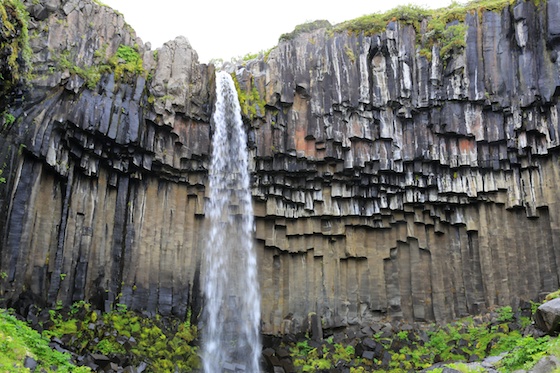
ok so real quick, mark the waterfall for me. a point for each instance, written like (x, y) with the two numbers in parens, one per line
(231, 339)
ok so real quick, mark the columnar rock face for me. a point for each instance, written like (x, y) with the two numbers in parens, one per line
(385, 184)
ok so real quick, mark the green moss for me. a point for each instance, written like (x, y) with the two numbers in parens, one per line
(126, 61)
(100, 3)
(552, 295)
(91, 74)
(309, 359)
(304, 28)
(8, 119)
(464, 368)
(445, 26)
(250, 101)
(100, 54)
(350, 53)
(377, 22)
(250, 56)
(18, 340)
(165, 346)
(14, 44)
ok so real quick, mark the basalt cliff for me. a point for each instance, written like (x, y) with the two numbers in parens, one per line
(386, 182)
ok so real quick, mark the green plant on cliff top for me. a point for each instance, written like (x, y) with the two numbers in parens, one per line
(445, 26)
(127, 60)
(306, 27)
(377, 22)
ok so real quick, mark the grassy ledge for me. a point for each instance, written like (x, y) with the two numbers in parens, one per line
(443, 27)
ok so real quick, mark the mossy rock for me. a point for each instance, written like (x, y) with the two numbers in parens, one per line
(305, 28)
(15, 51)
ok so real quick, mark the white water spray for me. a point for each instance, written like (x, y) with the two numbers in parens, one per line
(232, 301)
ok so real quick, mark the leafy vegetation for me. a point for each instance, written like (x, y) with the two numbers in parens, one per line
(91, 74)
(454, 344)
(310, 359)
(127, 60)
(9, 118)
(125, 63)
(526, 352)
(18, 341)
(164, 346)
(263, 53)
(6, 120)
(168, 345)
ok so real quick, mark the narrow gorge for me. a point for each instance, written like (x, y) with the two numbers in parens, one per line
(392, 177)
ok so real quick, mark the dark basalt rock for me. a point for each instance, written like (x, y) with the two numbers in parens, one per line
(385, 185)
(30, 363)
(547, 317)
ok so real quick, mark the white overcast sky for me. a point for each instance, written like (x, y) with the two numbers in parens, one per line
(229, 28)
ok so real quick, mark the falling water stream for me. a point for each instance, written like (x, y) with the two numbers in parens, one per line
(232, 300)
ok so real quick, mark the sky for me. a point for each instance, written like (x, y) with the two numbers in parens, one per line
(226, 29)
